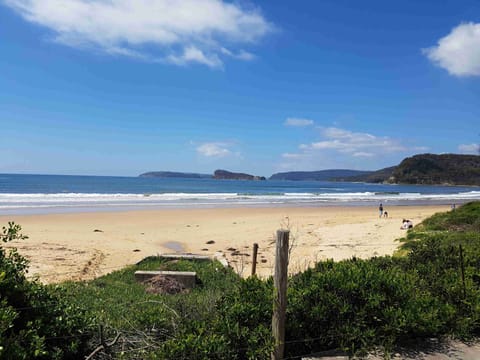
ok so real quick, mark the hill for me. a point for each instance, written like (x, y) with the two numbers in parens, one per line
(172, 174)
(426, 169)
(227, 175)
(321, 175)
(379, 176)
(431, 169)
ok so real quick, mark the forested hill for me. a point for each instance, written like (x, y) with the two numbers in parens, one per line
(379, 176)
(321, 175)
(431, 169)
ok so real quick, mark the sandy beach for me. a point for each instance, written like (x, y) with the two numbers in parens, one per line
(80, 246)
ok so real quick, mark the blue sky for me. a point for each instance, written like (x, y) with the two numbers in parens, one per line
(122, 87)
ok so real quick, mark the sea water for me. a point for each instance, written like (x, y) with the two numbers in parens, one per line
(30, 194)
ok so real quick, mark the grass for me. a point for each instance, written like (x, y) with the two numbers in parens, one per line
(119, 301)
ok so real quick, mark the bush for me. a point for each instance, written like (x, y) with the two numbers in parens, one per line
(35, 321)
(353, 305)
(238, 327)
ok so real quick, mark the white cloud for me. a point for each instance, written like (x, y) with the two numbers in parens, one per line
(345, 141)
(298, 122)
(459, 51)
(179, 32)
(338, 148)
(214, 149)
(469, 148)
(241, 55)
(192, 54)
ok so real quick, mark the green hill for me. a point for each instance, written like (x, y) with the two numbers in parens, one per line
(431, 169)
(428, 169)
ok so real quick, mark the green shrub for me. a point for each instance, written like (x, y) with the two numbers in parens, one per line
(464, 218)
(356, 304)
(238, 327)
(35, 321)
(245, 317)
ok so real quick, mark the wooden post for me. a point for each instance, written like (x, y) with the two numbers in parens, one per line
(462, 268)
(280, 294)
(254, 258)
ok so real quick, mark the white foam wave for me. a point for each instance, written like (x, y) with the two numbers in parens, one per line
(38, 200)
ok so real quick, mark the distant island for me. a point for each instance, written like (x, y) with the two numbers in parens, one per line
(227, 175)
(426, 169)
(218, 175)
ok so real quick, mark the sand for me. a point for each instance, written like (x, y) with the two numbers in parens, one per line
(81, 246)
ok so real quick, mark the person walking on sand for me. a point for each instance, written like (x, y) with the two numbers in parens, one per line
(380, 210)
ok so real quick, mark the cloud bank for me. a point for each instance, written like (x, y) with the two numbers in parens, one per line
(354, 143)
(469, 148)
(342, 148)
(177, 32)
(459, 51)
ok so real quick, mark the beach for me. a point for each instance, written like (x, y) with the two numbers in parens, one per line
(82, 246)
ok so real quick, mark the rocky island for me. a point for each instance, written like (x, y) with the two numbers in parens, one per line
(227, 175)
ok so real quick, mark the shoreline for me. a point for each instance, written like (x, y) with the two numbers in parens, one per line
(119, 208)
(81, 246)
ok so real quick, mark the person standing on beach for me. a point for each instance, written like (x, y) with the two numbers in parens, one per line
(380, 210)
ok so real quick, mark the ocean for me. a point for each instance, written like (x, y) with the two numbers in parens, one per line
(32, 194)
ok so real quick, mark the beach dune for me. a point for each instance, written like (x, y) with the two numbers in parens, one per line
(81, 246)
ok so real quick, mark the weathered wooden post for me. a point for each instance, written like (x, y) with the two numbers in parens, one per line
(254, 258)
(280, 293)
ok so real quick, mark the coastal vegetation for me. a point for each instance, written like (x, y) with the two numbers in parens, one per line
(429, 169)
(36, 321)
(429, 288)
